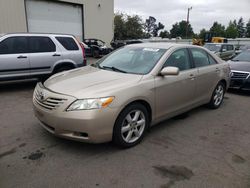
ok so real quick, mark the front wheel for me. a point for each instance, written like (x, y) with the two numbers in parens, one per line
(130, 126)
(218, 96)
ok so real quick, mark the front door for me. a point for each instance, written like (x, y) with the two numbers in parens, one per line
(14, 60)
(175, 93)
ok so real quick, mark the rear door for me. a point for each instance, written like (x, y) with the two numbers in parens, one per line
(208, 73)
(72, 51)
(43, 54)
(174, 93)
(14, 61)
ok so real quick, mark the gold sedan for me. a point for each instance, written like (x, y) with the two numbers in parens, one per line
(123, 94)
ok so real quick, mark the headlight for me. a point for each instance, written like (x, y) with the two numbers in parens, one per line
(88, 104)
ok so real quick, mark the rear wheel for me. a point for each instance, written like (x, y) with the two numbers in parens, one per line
(218, 96)
(130, 126)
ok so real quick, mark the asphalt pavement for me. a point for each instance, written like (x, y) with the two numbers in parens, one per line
(204, 148)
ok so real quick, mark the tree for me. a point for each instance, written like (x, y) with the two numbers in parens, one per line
(240, 27)
(164, 34)
(179, 29)
(218, 29)
(231, 30)
(134, 27)
(248, 29)
(120, 28)
(202, 33)
(151, 27)
(128, 27)
(157, 28)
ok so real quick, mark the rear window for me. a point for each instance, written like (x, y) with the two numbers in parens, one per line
(41, 44)
(68, 43)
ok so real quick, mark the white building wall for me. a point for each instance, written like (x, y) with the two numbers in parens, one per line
(98, 20)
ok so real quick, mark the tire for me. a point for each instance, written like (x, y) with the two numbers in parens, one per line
(96, 54)
(131, 125)
(217, 96)
(62, 68)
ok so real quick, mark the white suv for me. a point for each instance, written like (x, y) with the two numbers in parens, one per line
(26, 55)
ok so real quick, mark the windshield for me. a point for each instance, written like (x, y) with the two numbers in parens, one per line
(213, 47)
(244, 56)
(132, 60)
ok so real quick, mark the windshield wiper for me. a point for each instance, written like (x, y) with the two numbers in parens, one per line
(114, 69)
(235, 60)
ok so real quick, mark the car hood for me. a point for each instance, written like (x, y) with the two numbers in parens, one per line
(90, 82)
(240, 66)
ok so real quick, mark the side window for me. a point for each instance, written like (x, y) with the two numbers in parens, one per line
(200, 57)
(211, 60)
(230, 47)
(180, 59)
(224, 48)
(41, 44)
(14, 45)
(68, 43)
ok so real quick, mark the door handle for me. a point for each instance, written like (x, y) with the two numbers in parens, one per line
(56, 55)
(192, 76)
(21, 57)
(217, 70)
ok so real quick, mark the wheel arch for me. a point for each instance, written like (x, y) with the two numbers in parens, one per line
(142, 102)
(223, 81)
(66, 63)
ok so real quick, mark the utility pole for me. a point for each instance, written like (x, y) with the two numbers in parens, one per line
(190, 8)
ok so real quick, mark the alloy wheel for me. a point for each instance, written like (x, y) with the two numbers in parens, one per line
(133, 126)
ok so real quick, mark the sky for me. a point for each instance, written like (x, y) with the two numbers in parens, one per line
(202, 15)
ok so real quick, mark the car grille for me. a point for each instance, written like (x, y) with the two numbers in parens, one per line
(50, 103)
(240, 75)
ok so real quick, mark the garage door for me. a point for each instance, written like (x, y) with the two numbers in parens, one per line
(54, 17)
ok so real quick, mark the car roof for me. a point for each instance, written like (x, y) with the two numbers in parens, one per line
(161, 45)
(37, 34)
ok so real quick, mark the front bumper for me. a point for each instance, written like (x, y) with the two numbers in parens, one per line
(240, 83)
(93, 126)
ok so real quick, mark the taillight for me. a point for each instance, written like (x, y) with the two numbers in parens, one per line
(83, 53)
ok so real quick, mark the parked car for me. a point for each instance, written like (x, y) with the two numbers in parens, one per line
(26, 55)
(120, 43)
(240, 71)
(242, 48)
(96, 48)
(224, 51)
(128, 91)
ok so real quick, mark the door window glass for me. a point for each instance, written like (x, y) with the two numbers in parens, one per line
(224, 48)
(14, 45)
(230, 47)
(211, 60)
(68, 43)
(180, 59)
(200, 57)
(41, 44)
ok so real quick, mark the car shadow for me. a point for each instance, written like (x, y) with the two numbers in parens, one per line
(15, 86)
(239, 92)
(76, 147)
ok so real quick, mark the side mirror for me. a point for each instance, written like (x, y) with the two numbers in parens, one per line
(170, 71)
(224, 50)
